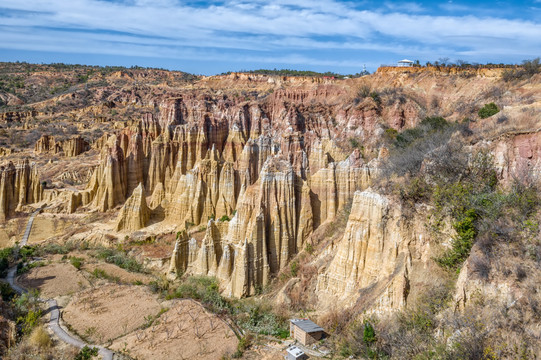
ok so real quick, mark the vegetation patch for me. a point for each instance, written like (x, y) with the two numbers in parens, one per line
(120, 258)
(488, 110)
(77, 262)
(204, 289)
(28, 311)
(528, 69)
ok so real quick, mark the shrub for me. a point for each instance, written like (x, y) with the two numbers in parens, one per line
(40, 338)
(520, 272)
(375, 96)
(204, 289)
(27, 252)
(7, 291)
(262, 320)
(87, 353)
(391, 134)
(102, 274)
(244, 343)
(76, 262)
(29, 320)
(355, 143)
(26, 267)
(160, 285)
(53, 248)
(225, 218)
(363, 91)
(488, 110)
(529, 68)
(294, 268)
(369, 334)
(411, 146)
(6, 255)
(416, 190)
(480, 266)
(120, 259)
(462, 243)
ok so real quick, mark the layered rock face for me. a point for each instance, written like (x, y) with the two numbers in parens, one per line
(135, 213)
(19, 185)
(376, 252)
(16, 116)
(70, 147)
(518, 156)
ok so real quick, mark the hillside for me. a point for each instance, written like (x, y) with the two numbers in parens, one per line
(398, 210)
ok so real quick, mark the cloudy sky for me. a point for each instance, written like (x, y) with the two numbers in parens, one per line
(208, 37)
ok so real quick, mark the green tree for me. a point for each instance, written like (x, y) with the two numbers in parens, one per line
(369, 334)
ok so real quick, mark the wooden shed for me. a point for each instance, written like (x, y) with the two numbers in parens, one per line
(305, 331)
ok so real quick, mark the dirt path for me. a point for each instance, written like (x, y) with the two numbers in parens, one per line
(54, 321)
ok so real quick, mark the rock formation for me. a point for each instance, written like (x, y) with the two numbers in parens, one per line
(518, 155)
(71, 147)
(17, 116)
(5, 151)
(375, 252)
(276, 173)
(19, 185)
(135, 213)
(75, 146)
(158, 196)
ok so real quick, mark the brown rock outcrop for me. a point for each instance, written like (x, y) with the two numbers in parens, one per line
(47, 144)
(19, 185)
(271, 224)
(75, 146)
(135, 213)
(518, 155)
(71, 147)
(5, 151)
(17, 116)
(373, 253)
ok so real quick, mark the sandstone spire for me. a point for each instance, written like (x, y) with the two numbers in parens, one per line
(135, 213)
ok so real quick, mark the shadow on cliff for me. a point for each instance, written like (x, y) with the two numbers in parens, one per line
(157, 215)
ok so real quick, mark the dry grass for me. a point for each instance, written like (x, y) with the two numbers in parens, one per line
(525, 119)
(26, 351)
(40, 338)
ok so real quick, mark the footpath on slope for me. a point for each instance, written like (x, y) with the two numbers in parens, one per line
(54, 321)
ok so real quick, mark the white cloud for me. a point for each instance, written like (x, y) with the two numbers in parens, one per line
(172, 28)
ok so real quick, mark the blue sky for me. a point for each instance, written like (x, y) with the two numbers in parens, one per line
(209, 37)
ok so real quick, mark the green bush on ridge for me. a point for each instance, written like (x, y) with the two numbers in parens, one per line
(488, 110)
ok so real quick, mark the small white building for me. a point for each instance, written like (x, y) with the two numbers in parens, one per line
(405, 63)
(294, 353)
